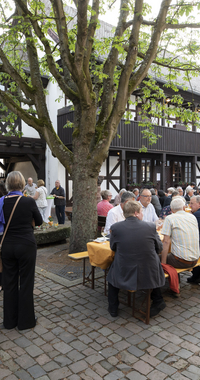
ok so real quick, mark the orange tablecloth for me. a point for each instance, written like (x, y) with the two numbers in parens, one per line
(100, 254)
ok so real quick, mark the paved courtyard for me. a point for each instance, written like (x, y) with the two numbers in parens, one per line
(76, 338)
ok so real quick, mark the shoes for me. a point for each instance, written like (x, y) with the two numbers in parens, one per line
(156, 308)
(193, 280)
(174, 294)
(113, 313)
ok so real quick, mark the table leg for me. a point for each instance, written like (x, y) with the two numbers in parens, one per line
(93, 273)
(83, 271)
(148, 305)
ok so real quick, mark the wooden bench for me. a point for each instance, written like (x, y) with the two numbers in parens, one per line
(185, 269)
(82, 256)
(143, 315)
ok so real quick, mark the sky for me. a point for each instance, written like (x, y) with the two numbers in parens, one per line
(111, 16)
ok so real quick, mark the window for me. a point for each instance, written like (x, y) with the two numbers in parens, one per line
(132, 171)
(188, 171)
(177, 172)
(145, 170)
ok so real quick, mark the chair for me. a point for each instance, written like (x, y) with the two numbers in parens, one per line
(101, 221)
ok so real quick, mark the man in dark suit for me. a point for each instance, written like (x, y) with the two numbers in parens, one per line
(195, 208)
(136, 264)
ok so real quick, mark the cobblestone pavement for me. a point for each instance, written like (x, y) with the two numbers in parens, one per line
(76, 338)
(54, 259)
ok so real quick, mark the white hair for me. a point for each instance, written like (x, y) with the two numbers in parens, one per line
(177, 204)
(188, 189)
(171, 189)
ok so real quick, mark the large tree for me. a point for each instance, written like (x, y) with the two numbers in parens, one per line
(90, 82)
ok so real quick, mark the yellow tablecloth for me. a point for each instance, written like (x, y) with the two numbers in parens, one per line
(100, 254)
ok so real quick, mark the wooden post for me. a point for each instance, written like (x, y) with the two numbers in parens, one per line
(163, 176)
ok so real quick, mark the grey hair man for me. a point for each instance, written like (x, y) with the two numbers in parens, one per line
(136, 192)
(189, 193)
(180, 229)
(180, 190)
(30, 188)
(149, 214)
(155, 201)
(116, 213)
(167, 200)
(117, 199)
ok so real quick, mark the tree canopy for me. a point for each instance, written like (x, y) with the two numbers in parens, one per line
(96, 73)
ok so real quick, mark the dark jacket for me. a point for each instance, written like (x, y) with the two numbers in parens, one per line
(187, 198)
(197, 215)
(136, 264)
(155, 202)
(59, 192)
(167, 201)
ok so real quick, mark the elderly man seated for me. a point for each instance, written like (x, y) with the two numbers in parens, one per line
(149, 214)
(136, 264)
(189, 193)
(180, 229)
(116, 214)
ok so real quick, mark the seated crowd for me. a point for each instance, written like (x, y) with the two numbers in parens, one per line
(139, 251)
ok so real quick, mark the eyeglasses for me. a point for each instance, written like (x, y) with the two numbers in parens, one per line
(146, 196)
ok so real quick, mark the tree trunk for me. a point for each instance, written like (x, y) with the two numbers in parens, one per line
(84, 218)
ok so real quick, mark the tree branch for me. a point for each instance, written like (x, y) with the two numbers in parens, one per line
(182, 26)
(109, 66)
(70, 92)
(167, 64)
(81, 35)
(153, 47)
(89, 43)
(119, 106)
(6, 67)
(44, 127)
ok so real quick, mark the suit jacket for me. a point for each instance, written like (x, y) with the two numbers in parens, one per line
(167, 201)
(136, 264)
(187, 198)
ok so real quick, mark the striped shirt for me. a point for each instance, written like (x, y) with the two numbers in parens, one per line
(182, 228)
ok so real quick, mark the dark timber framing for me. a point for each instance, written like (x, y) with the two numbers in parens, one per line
(174, 146)
(14, 149)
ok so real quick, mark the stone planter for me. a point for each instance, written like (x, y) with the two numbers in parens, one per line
(52, 234)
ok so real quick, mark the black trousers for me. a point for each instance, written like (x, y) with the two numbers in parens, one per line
(113, 301)
(18, 282)
(60, 213)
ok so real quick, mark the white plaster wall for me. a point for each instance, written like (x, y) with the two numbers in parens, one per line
(29, 131)
(198, 173)
(27, 169)
(54, 169)
(70, 189)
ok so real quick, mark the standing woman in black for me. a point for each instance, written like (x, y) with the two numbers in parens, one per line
(19, 255)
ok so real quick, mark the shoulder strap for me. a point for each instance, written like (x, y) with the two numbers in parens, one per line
(9, 220)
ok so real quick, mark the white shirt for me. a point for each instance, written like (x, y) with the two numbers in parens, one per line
(114, 215)
(41, 201)
(149, 214)
(31, 189)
